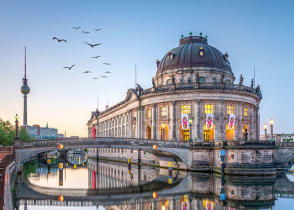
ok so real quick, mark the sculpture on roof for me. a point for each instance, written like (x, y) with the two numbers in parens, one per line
(241, 80)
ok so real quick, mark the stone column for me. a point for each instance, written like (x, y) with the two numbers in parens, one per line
(257, 124)
(219, 122)
(251, 135)
(172, 111)
(199, 122)
(238, 116)
(154, 121)
(195, 122)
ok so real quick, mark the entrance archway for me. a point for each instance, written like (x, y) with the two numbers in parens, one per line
(163, 132)
(148, 132)
(230, 133)
(208, 133)
(184, 134)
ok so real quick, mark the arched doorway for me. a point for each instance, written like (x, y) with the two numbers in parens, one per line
(163, 132)
(208, 133)
(148, 132)
(230, 133)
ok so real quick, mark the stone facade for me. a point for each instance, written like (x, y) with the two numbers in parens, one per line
(203, 87)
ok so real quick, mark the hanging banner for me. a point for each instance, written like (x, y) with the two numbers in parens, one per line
(209, 121)
(185, 121)
(232, 120)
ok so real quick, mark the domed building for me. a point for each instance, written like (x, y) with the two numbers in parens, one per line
(194, 98)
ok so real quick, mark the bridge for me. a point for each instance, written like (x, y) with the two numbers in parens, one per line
(241, 157)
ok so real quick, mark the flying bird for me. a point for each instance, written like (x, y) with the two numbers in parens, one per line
(86, 72)
(69, 68)
(107, 64)
(107, 72)
(85, 32)
(97, 29)
(92, 45)
(77, 28)
(98, 56)
(95, 78)
(59, 40)
(103, 76)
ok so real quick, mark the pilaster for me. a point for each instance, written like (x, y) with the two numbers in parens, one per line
(154, 121)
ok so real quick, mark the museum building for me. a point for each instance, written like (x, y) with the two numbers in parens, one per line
(194, 97)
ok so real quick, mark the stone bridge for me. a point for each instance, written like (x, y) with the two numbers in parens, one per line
(241, 157)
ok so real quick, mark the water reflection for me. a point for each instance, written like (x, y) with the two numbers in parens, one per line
(120, 186)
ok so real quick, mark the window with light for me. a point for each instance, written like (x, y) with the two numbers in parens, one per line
(245, 111)
(185, 109)
(230, 109)
(163, 111)
(208, 108)
(148, 113)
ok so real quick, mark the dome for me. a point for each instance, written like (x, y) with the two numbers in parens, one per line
(194, 51)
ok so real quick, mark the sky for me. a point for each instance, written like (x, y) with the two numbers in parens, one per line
(254, 33)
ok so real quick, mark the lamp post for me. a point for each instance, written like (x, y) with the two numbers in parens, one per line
(190, 126)
(265, 132)
(272, 129)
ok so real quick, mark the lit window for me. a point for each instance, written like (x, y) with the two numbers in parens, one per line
(230, 109)
(185, 109)
(201, 51)
(148, 113)
(163, 111)
(245, 111)
(208, 108)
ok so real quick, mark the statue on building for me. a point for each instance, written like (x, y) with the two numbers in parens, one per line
(252, 82)
(197, 77)
(139, 89)
(241, 80)
(173, 79)
(222, 78)
(153, 82)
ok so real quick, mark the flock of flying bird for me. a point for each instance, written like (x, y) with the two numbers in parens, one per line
(89, 44)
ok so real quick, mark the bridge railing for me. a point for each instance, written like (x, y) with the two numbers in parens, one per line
(94, 141)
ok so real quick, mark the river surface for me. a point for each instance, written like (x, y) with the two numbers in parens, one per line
(86, 184)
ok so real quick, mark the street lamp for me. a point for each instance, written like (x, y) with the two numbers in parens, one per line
(265, 132)
(190, 126)
(272, 128)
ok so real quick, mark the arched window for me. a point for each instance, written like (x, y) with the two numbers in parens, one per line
(202, 80)
(189, 80)
(168, 82)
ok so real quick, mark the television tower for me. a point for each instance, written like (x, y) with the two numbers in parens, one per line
(25, 90)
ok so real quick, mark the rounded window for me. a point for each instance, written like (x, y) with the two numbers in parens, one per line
(168, 82)
(202, 80)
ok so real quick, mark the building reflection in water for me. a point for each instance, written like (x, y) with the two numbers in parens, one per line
(118, 186)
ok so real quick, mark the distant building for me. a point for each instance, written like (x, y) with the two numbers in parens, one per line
(279, 137)
(38, 132)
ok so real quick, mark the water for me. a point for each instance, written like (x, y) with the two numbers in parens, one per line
(78, 183)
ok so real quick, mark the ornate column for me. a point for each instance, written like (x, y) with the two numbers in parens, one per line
(154, 121)
(219, 121)
(199, 131)
(257, 124)
(172, 133)
(238, 116)
(252, 124)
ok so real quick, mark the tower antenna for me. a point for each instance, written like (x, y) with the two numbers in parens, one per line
(135, 75)
(97, 102)
(25, 59)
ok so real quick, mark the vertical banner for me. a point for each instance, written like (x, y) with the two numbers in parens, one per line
(209, 121)
(185, 121)
(232, 120)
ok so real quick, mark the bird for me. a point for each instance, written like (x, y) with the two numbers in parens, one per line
(98, 56)
(95, 78)
(77, 28)
(107, 72)
(69, 68)
(86, 72)
(92, 45)
(107, 64)
(97, 29)
(85, 32)
(103, 76)
(59, 40)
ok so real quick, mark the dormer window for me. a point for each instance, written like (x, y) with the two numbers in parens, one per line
(171, 55)
(201, 51)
